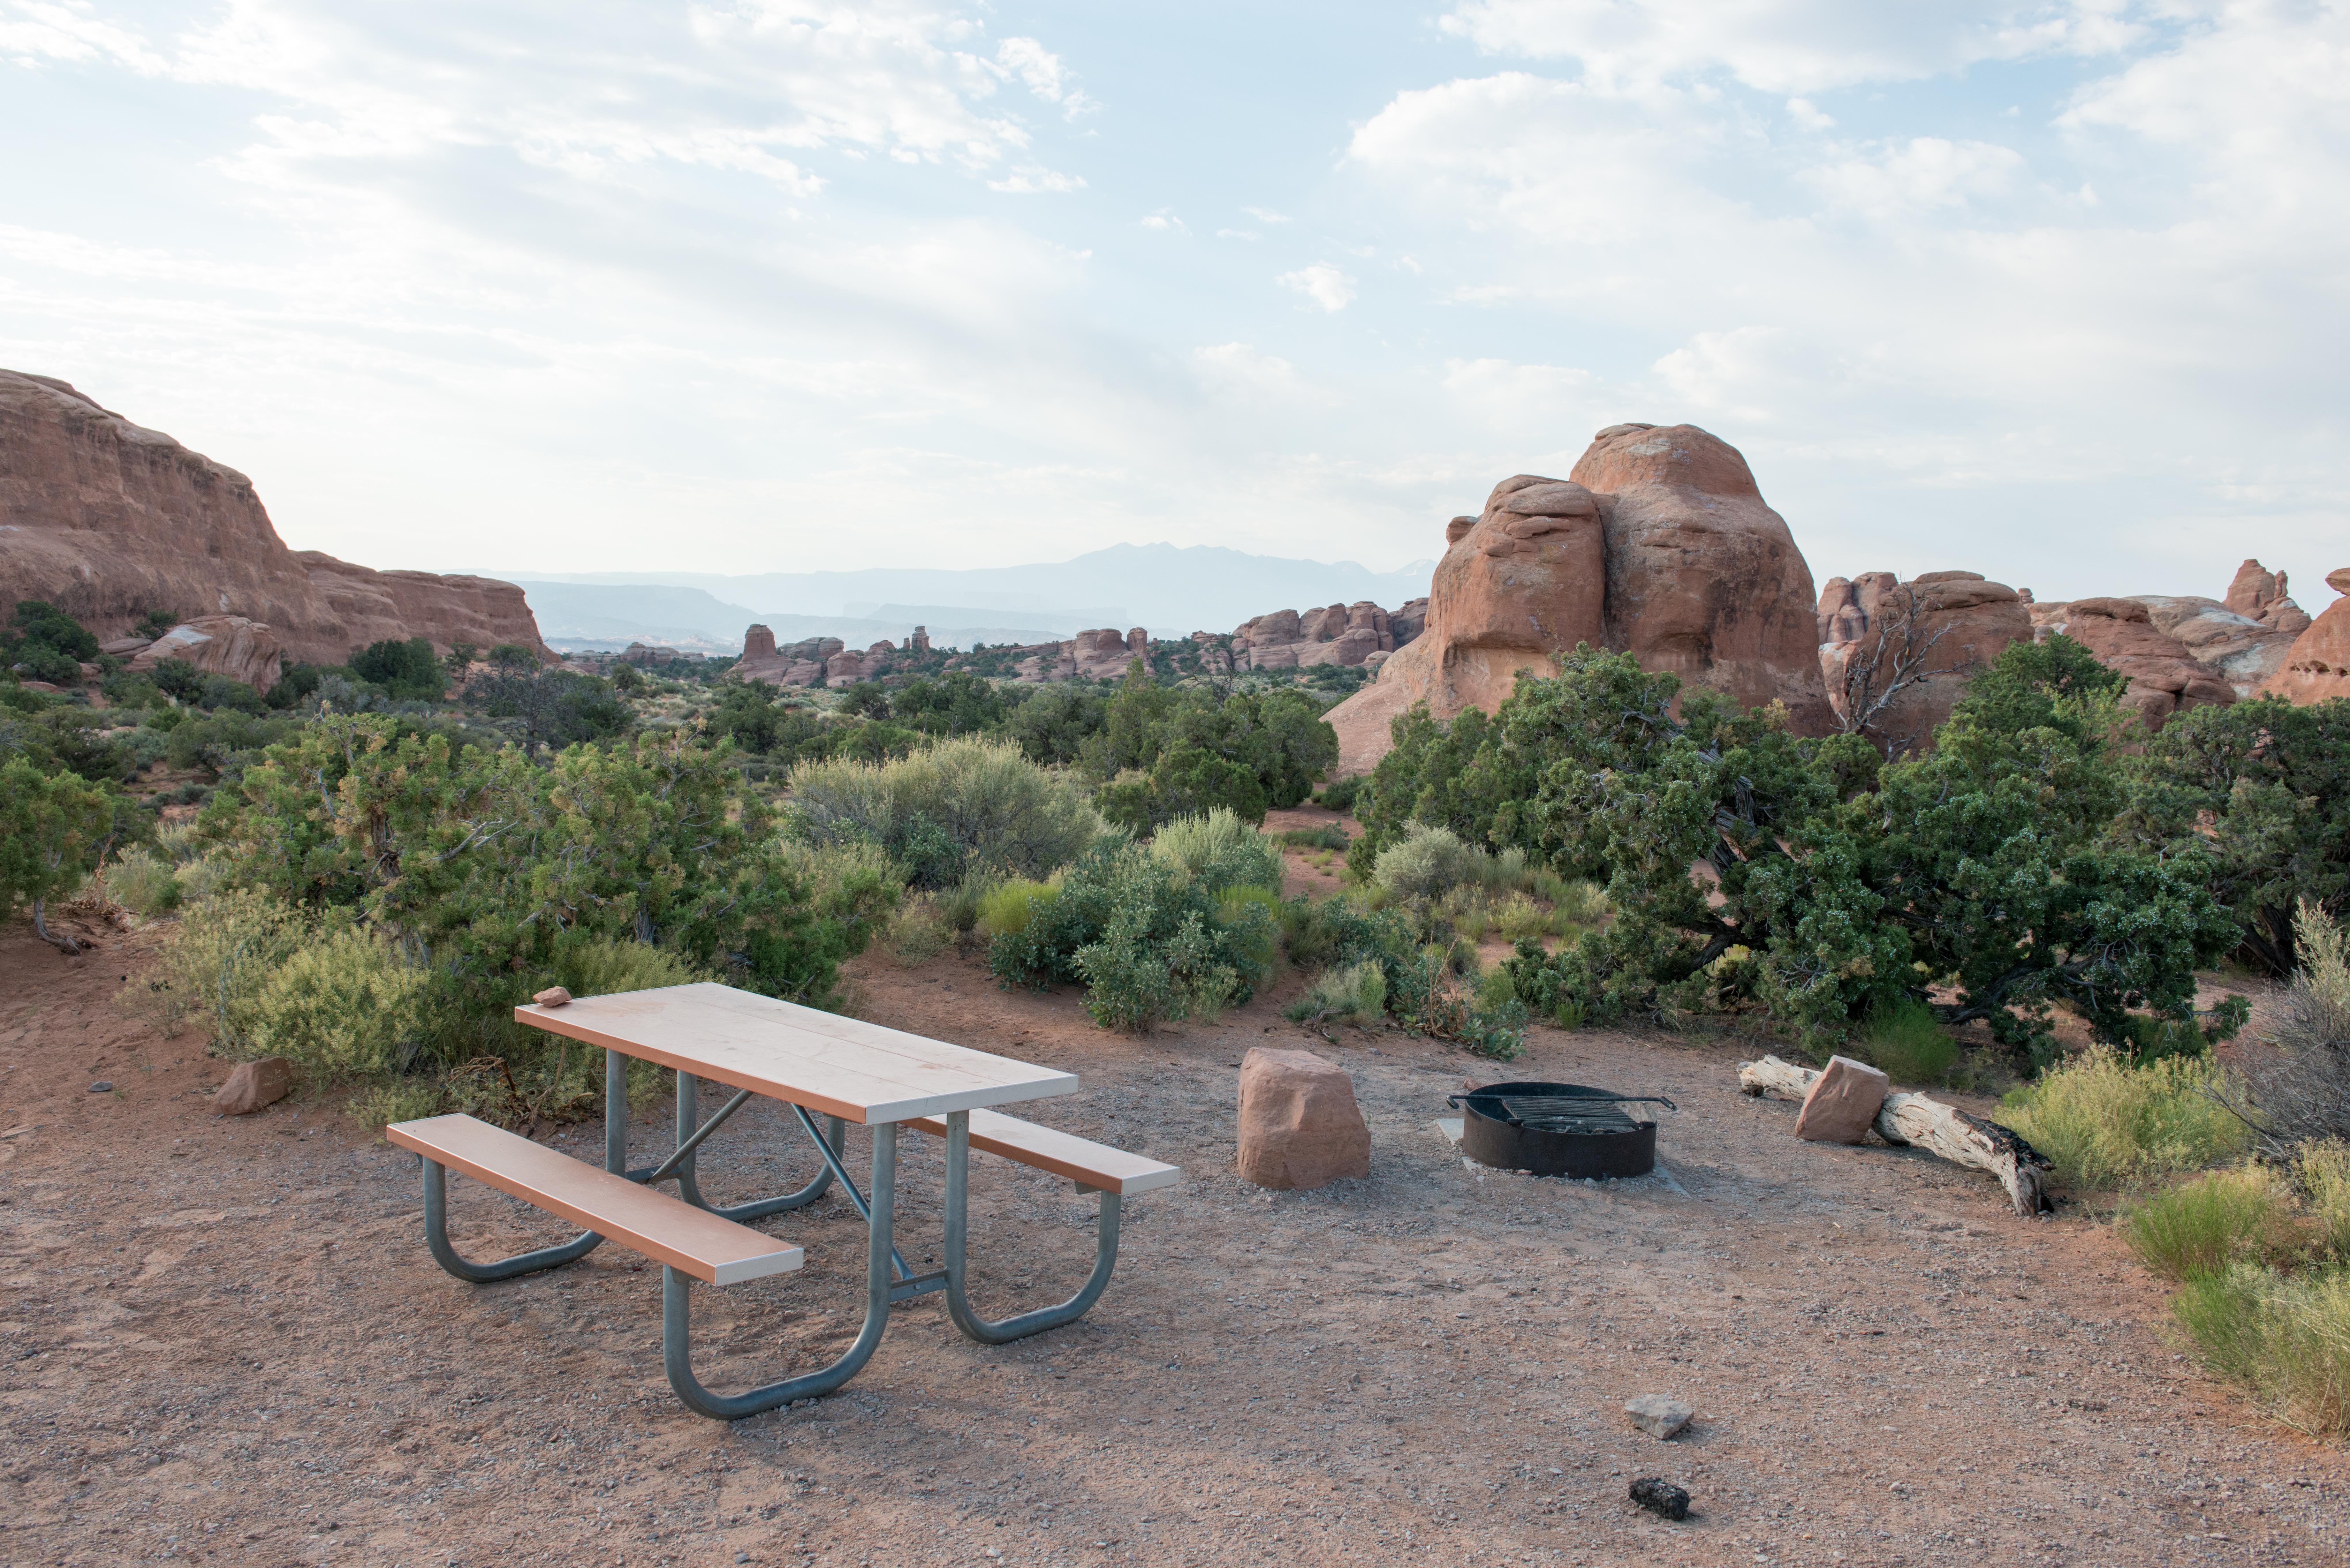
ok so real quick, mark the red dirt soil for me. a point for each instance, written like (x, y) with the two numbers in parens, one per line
(224, 1340)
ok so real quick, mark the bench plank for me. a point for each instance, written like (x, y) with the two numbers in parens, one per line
(1063, 1154)
(833, 1065)
(660, 1226)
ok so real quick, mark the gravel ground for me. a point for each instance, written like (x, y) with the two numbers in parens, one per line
(224, 1339)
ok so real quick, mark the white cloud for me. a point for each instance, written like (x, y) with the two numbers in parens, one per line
(1787, 46)
(1042, 72)
(1923, 171)
(1323, 283)
(1166, 221)
(35, 31)
(1264, 215)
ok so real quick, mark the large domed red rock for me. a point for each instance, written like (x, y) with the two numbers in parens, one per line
(2164, 676)
(1659, 545)
(109, 521)
(1912, 647)
(227, 645)
(2318, 666)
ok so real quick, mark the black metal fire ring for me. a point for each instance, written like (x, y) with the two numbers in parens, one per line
(1557, 1129)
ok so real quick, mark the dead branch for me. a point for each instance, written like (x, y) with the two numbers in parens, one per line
(1892, 656)
(1939, 1128)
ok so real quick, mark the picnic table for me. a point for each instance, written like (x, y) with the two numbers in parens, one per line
(820, 1065)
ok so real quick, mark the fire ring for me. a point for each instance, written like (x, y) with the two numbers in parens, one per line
(1558, 1130)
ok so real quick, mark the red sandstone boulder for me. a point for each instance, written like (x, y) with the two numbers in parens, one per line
(1842, 1102)
(2318, 665)
(253, 1084)
(1949, 624)
(227, 645)
(109, 522)
(2163, 676)
(2243, 650)
(1300, 1127)
(1659, 545)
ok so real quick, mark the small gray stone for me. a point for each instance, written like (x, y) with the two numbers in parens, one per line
(103, 1086)
(1660, 1497)
(1657, 1416)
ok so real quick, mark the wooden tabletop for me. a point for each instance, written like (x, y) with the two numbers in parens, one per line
(838, 1066)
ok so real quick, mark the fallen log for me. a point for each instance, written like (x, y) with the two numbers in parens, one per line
(1944, 1129)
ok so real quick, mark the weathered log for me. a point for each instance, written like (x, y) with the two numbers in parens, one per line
(1944, 1129)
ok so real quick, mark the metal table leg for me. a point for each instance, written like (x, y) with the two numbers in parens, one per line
(436, 1237)
(1004, 1330)
(681, 1167)
(677, 1323)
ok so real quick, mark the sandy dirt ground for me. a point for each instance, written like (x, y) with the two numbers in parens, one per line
(224, 1339)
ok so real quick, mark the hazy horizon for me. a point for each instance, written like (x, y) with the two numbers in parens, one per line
(2048, 290)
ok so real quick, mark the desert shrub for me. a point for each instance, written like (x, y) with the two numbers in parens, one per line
(399, 1100)
(54, 827)
(2201, 1226)
(216, 961)
(1146, 940)
(1357, 993)
(918, 933)
(1004, 907)
(1581, 902)
(1518, 917)
(1170, 752)
(1339, 795)
(2149, 1039)
(1250, 915)
(1329, 835)
(2298, 1090)
(2263, 786)
(2286, 1335)
(408, 671)
(1219, 850)
(965, 806)
(2323, 1171)
(2104, 1122)
(142, 883)
(1426, 863)
(1907, 1043)
(1840, 878)
(342, 1004)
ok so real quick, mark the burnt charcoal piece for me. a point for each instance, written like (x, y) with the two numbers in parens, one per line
(1660, 1497)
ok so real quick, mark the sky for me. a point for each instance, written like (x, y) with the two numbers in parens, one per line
(2056, 292)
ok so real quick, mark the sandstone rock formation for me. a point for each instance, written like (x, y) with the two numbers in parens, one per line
(1338, 634)
(227, 645)
(2164, 676)
(2318, 665)
(109, 521)
(1101, 654)
(1901, 653)
(1300, 1127)
(1659, 545)
(1842, 1103)
(803, 663)
(2259, 594)
(250, 1085)
(2242, 650)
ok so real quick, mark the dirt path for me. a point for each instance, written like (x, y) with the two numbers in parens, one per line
(224, 1339)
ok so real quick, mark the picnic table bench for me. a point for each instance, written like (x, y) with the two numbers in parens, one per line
(819, 1063)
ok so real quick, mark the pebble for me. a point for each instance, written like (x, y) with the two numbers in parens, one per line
(103, 1086)
(1657, 1416)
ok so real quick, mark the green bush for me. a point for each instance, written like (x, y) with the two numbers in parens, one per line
(2300, 1091)
(217, 961)
(2322, 1169)
(2287, 1336)
(343, 1004)
(1427, 863)
(1357, 993)
(408, 671)
(2104, 1122)
(1004, 907)
(1219, 850)
(1907, 1043)
(1327, 837)
(1339, 795)
(963, 805)
(2202, 1226)
(1146, 940)
(143, 883)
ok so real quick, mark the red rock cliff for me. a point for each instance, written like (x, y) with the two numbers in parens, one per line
(109, 521)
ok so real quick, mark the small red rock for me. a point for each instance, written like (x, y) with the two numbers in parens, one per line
(253, 1085)
(553, 996)
(1844, 1101)
(1300, 1127)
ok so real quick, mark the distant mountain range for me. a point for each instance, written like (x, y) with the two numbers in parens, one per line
(1173, 590)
